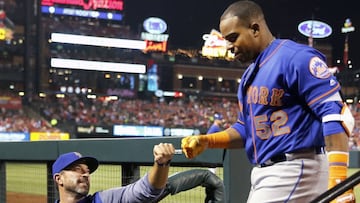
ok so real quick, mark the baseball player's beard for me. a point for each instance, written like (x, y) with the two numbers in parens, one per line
(83, 187)
(80, 189)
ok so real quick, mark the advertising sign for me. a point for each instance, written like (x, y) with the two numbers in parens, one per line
(155, 39)
(88, 4)
(11, 136)
(181, 131)
(315, 29)
(8, 102)
(155, 25)
(6, 33)
(35, 136)
(94, 131)
(215, 46)
(155, 46)
(348, 27)
(81, 13)
(137, 130)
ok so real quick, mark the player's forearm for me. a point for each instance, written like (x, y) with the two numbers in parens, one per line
(337, 142)
(338, 157)
(235, 139)
(158, 175)
(228, 138)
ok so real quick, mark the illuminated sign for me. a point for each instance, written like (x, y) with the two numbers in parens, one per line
(94, 131)
(88, 4)
(81, 13)
(8, 102)
(214, 39)
(155, 40)
(214, 52)
(6, 33)
(98, 41)
(34, 136)
(161, 93)
(314, 28)
(215, 46)
(155, 25)
(154, 37)
(137, 130)
(12, 136)
(347, 26)
(97, 65)
(181, 132)
(155, 46)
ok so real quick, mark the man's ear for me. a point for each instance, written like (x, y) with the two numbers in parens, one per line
(255, 28)
(57, 179)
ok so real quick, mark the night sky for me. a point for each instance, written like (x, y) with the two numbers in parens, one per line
(188, 20)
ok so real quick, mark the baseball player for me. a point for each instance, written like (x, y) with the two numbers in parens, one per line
(290, 109)
(71, 174)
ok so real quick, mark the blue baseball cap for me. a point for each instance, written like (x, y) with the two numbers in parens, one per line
(218, 116)
(67, 159)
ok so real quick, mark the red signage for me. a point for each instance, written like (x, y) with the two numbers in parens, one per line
(155, 46)
(9, 102)
(88, 5)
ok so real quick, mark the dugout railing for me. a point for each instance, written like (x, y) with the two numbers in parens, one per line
(130, 153)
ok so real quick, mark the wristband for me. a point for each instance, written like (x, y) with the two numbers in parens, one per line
(338, 165)
(217, 140)
(163, 164)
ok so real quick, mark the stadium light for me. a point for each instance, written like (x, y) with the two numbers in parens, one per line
(97, 65)
(98, 41)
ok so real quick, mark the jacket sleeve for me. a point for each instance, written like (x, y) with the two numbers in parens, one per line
(137, 192)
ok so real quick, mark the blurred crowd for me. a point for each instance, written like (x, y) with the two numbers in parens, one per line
(17, 119)
(12, 120)
(80, 110)
(190, 113)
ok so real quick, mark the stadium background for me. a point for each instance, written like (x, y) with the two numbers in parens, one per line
(180, 87)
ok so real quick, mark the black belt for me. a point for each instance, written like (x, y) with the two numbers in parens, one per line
(282, 157)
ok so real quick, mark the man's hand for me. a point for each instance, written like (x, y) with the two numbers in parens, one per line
(194, 145)
(338, 162)
(347, 197)
(163, 153)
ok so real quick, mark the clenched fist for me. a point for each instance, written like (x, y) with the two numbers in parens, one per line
(347, 197)
(163, 153)
(192, 146)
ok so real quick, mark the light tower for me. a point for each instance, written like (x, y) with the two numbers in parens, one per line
(347, 29)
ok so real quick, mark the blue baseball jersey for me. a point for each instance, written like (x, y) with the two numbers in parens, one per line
(277, 105)
(139, 191)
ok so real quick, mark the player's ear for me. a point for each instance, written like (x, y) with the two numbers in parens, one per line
(57, 179)
(255, 28)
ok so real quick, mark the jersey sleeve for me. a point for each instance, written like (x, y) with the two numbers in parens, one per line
(239, 125)
(310, 77)
(328, 108)
(137, 192)
(314, 84)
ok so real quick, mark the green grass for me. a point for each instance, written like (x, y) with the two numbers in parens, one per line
(26, 178)
(31, 179)
(357, 188)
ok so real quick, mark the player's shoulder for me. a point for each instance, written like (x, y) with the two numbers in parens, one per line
(298, 51)
(292, 46)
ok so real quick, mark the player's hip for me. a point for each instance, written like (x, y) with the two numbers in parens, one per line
(296, 180)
